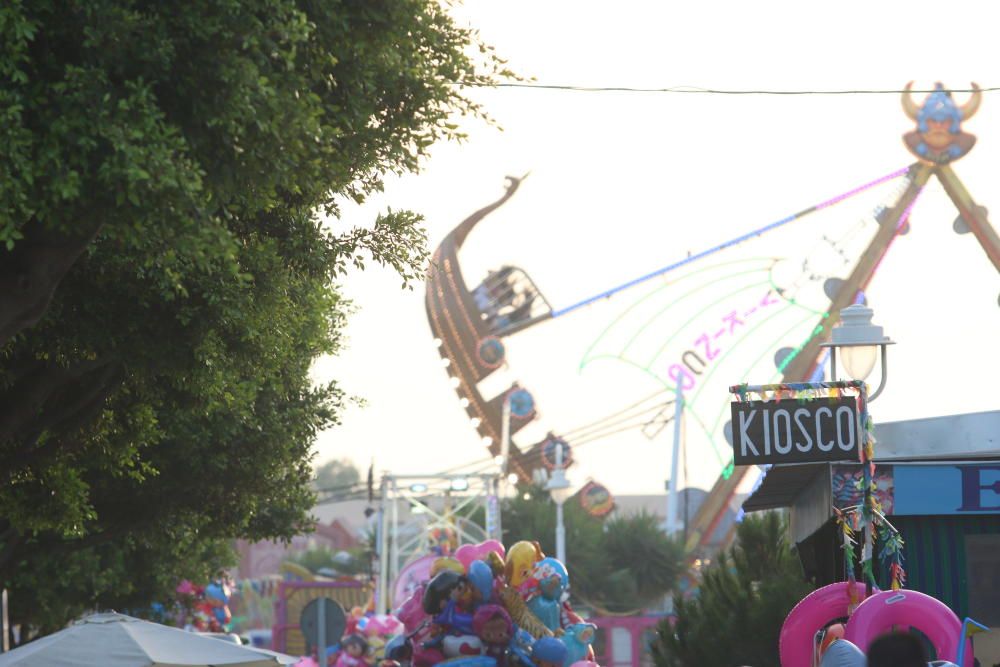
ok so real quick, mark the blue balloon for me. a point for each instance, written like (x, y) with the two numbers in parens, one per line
(481, 576)
(843, 653)
(547, 611)
(548, 649)
(521, 645)
(471, 661)
(553, 579)
(578, 638)
(549, 568)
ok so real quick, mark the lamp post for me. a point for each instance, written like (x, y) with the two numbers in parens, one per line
(559, 490)
(858, 341)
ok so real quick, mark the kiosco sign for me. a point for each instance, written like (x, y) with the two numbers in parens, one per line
(790, 431)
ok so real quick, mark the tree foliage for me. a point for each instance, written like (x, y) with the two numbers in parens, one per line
(336, 474)
(323, 560)
(154, 127)
(743, 600)
(168, 193)
(622, 564)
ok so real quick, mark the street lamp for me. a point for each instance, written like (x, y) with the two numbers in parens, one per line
(858, 341)
(559, 490)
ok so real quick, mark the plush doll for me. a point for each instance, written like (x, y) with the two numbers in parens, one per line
(354, 650)
(217, 599)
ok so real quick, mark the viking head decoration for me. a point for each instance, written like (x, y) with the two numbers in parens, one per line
(939, 136)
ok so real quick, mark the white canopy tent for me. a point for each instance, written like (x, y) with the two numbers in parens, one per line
(116, 640)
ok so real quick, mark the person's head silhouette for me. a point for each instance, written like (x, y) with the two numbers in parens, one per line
(897, 649)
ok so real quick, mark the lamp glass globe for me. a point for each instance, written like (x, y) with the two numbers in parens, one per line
(859, 360)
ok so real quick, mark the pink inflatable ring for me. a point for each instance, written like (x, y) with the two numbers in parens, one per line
(815, 611)
(880, 613)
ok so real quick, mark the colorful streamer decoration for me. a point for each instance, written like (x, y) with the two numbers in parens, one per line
(867, 518)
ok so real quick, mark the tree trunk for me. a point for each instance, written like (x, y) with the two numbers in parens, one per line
(30, 273)
(56, 400)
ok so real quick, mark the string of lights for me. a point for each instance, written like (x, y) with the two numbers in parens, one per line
(729, 244)
(340, 488)
(645, 416)
(358, 491)
(698, 90)
(589, 426)
(530, 458)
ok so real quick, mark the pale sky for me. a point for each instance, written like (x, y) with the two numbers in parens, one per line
(624, 183)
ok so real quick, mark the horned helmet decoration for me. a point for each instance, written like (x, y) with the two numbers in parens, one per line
(939, 106)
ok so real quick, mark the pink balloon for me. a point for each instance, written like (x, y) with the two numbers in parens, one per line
(383, 625)
(467, 553)
(410, 577)
(411, 612)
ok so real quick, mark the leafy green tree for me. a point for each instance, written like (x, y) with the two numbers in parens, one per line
(126, 575)
(354, 561)
(622, 564)
(168, 189)
(153, 126)
(743, 600)
(315, 559)
(336, 474)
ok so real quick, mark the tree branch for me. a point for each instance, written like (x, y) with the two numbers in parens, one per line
(26, 400)
(67, 417)
(12, 540)
(30, 273)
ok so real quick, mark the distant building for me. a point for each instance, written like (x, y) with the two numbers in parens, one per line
(690, 500)
(263, 559)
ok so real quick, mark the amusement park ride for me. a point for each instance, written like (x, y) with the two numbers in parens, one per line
(470, 323)
(460, 496)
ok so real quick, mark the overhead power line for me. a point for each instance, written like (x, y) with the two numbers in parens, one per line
(696, 90)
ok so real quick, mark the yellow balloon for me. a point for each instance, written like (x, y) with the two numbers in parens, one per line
(521, 559)
(447, 563)
(495, 561)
